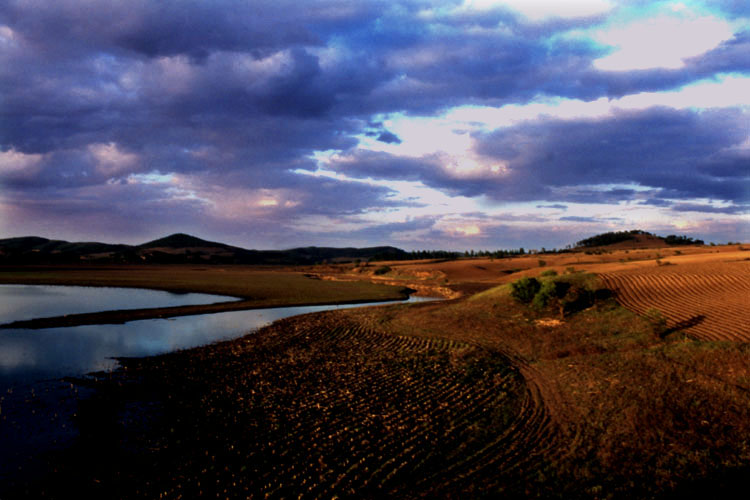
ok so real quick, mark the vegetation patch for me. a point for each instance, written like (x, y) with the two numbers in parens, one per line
(567, 294)
(382, 270)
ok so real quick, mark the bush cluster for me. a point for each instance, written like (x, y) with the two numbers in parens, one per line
(381, 270)
(569, 293)
(524, 289)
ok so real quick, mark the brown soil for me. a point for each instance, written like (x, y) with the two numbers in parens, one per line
(707, 300)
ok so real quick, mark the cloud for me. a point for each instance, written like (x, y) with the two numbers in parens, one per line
(574, 218)
(697, 207)
(661, 42)
(389, 138)
(227, 98)
(675, 152)
(555, 206)
(628, 156)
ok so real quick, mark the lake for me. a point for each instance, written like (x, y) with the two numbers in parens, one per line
(23, 302)
(32, 355)
(37, 409)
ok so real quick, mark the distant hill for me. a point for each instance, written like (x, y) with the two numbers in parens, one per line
(635, 239)
(178, 248)
(182, 240)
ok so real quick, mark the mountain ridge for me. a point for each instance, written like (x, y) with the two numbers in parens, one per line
(175, 249)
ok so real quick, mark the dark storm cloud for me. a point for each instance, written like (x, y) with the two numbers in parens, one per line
(679, 153)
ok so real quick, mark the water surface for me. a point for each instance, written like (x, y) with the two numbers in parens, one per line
(31, 355)
(23, 302)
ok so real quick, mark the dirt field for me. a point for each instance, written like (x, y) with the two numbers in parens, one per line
(455, 278)
(708, 300)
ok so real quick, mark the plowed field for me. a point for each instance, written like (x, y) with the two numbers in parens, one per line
(709, 300)
(318, 407)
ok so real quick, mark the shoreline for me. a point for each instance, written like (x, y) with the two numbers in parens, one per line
(121, 316)
(253, 289)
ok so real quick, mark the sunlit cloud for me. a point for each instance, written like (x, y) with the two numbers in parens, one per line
(110, 160)
(16, 162)
(470, 230)
(542, 9)
(660, 42)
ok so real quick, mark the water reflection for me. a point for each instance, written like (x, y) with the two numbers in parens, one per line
(30, 355)
(22, 302)
(37, 413)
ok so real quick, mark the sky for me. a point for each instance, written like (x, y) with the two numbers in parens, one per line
(466, 124)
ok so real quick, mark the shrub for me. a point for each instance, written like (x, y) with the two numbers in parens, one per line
(546, 294)
(542, 263)
(524, 289)
(569, 293)
(381, 270)
(548, 272)
(576, 299)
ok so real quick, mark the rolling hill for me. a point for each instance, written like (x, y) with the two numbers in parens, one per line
(176, 249)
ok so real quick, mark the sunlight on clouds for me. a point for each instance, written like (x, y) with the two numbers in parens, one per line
(421, 135)
(174, 74)
(110, 160)
(725, 91)
(422, 200)
(151, 178)
(449, 136)
(451, 132)
(13, 161)
(541, 9)
(485, 117)
(660, 42)
(268, 202)
(8, 37)
(471, 230)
